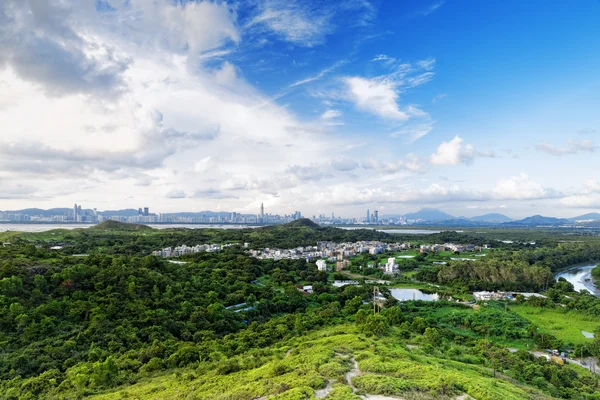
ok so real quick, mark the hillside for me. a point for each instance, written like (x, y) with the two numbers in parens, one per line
(587, 217)
(492, 217)
(332, 363)
(119, 226)
(304, 232)
(539, 220)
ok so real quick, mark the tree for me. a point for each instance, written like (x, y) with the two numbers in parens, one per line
(375, 325)
(393, 315)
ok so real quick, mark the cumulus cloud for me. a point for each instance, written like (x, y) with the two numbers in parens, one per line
(521, 187)
(511, 189)
(454, 152)
(572, 147)
(171, 117)
(375, 96)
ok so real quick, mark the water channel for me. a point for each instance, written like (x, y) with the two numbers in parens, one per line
(580, 277)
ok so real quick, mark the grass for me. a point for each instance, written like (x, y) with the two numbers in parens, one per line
(564, 325)
(297, 368)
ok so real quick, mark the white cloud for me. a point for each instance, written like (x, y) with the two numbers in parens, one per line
(592, 186)
(164, 130)
(384, 58)
(331, 114)
(294, 21)
(573, 147)
(432, 8)
(427, 64)
(454, 152)
(515, 188)
(380, 95)
(319, 75)
(439, 97)
(521, 187)
(375, 96)
(581, 201)
(176, 194)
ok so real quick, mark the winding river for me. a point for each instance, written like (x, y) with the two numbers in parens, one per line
(580, 277)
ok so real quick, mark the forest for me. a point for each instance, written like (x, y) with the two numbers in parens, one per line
(100, 314)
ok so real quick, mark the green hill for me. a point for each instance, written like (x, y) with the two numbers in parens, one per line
(304, 232)
(119, 226)
(334, 363)
(302, 222)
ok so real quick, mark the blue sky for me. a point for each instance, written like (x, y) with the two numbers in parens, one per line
(468, 106)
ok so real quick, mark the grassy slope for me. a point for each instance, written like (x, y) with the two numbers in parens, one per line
(566, 326)
(295, 369)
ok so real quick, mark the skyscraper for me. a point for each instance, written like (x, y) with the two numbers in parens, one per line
(376, 216)
(262, 212)
(368, 216)
(146, 211)
(75, 212)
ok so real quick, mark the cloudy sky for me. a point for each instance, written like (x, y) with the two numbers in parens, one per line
(318, 106)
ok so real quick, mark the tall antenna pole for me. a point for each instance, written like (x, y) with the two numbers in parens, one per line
(376, 295)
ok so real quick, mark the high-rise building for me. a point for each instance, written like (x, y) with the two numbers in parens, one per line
(146, 211)
(376, 216)
(262, 210)
(75, 213)
(140, 212)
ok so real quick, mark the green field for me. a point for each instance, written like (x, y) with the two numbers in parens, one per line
(564, 325)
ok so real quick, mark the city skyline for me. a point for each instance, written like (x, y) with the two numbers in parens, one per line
(300, 105)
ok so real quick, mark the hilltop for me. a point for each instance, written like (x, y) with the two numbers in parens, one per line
(119, 226)
(303, 222)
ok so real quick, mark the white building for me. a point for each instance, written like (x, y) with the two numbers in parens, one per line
(391, 266)
(321, 265)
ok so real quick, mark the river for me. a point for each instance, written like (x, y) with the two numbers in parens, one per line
(580, 277)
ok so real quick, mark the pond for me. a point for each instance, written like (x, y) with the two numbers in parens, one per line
(580, 277)
(413, 294)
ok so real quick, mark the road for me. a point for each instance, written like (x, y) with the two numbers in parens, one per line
(540, 354)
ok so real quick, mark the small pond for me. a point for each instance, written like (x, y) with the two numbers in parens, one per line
(413, 294)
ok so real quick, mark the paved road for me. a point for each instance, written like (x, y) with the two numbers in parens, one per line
(540, 354)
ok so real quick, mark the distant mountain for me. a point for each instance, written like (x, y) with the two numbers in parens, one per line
(539, 220)
(429, 214)
(492, 217)
(43, 213)
(587, 217)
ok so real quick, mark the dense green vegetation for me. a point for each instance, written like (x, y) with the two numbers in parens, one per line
(296, 368)
(100, 315)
